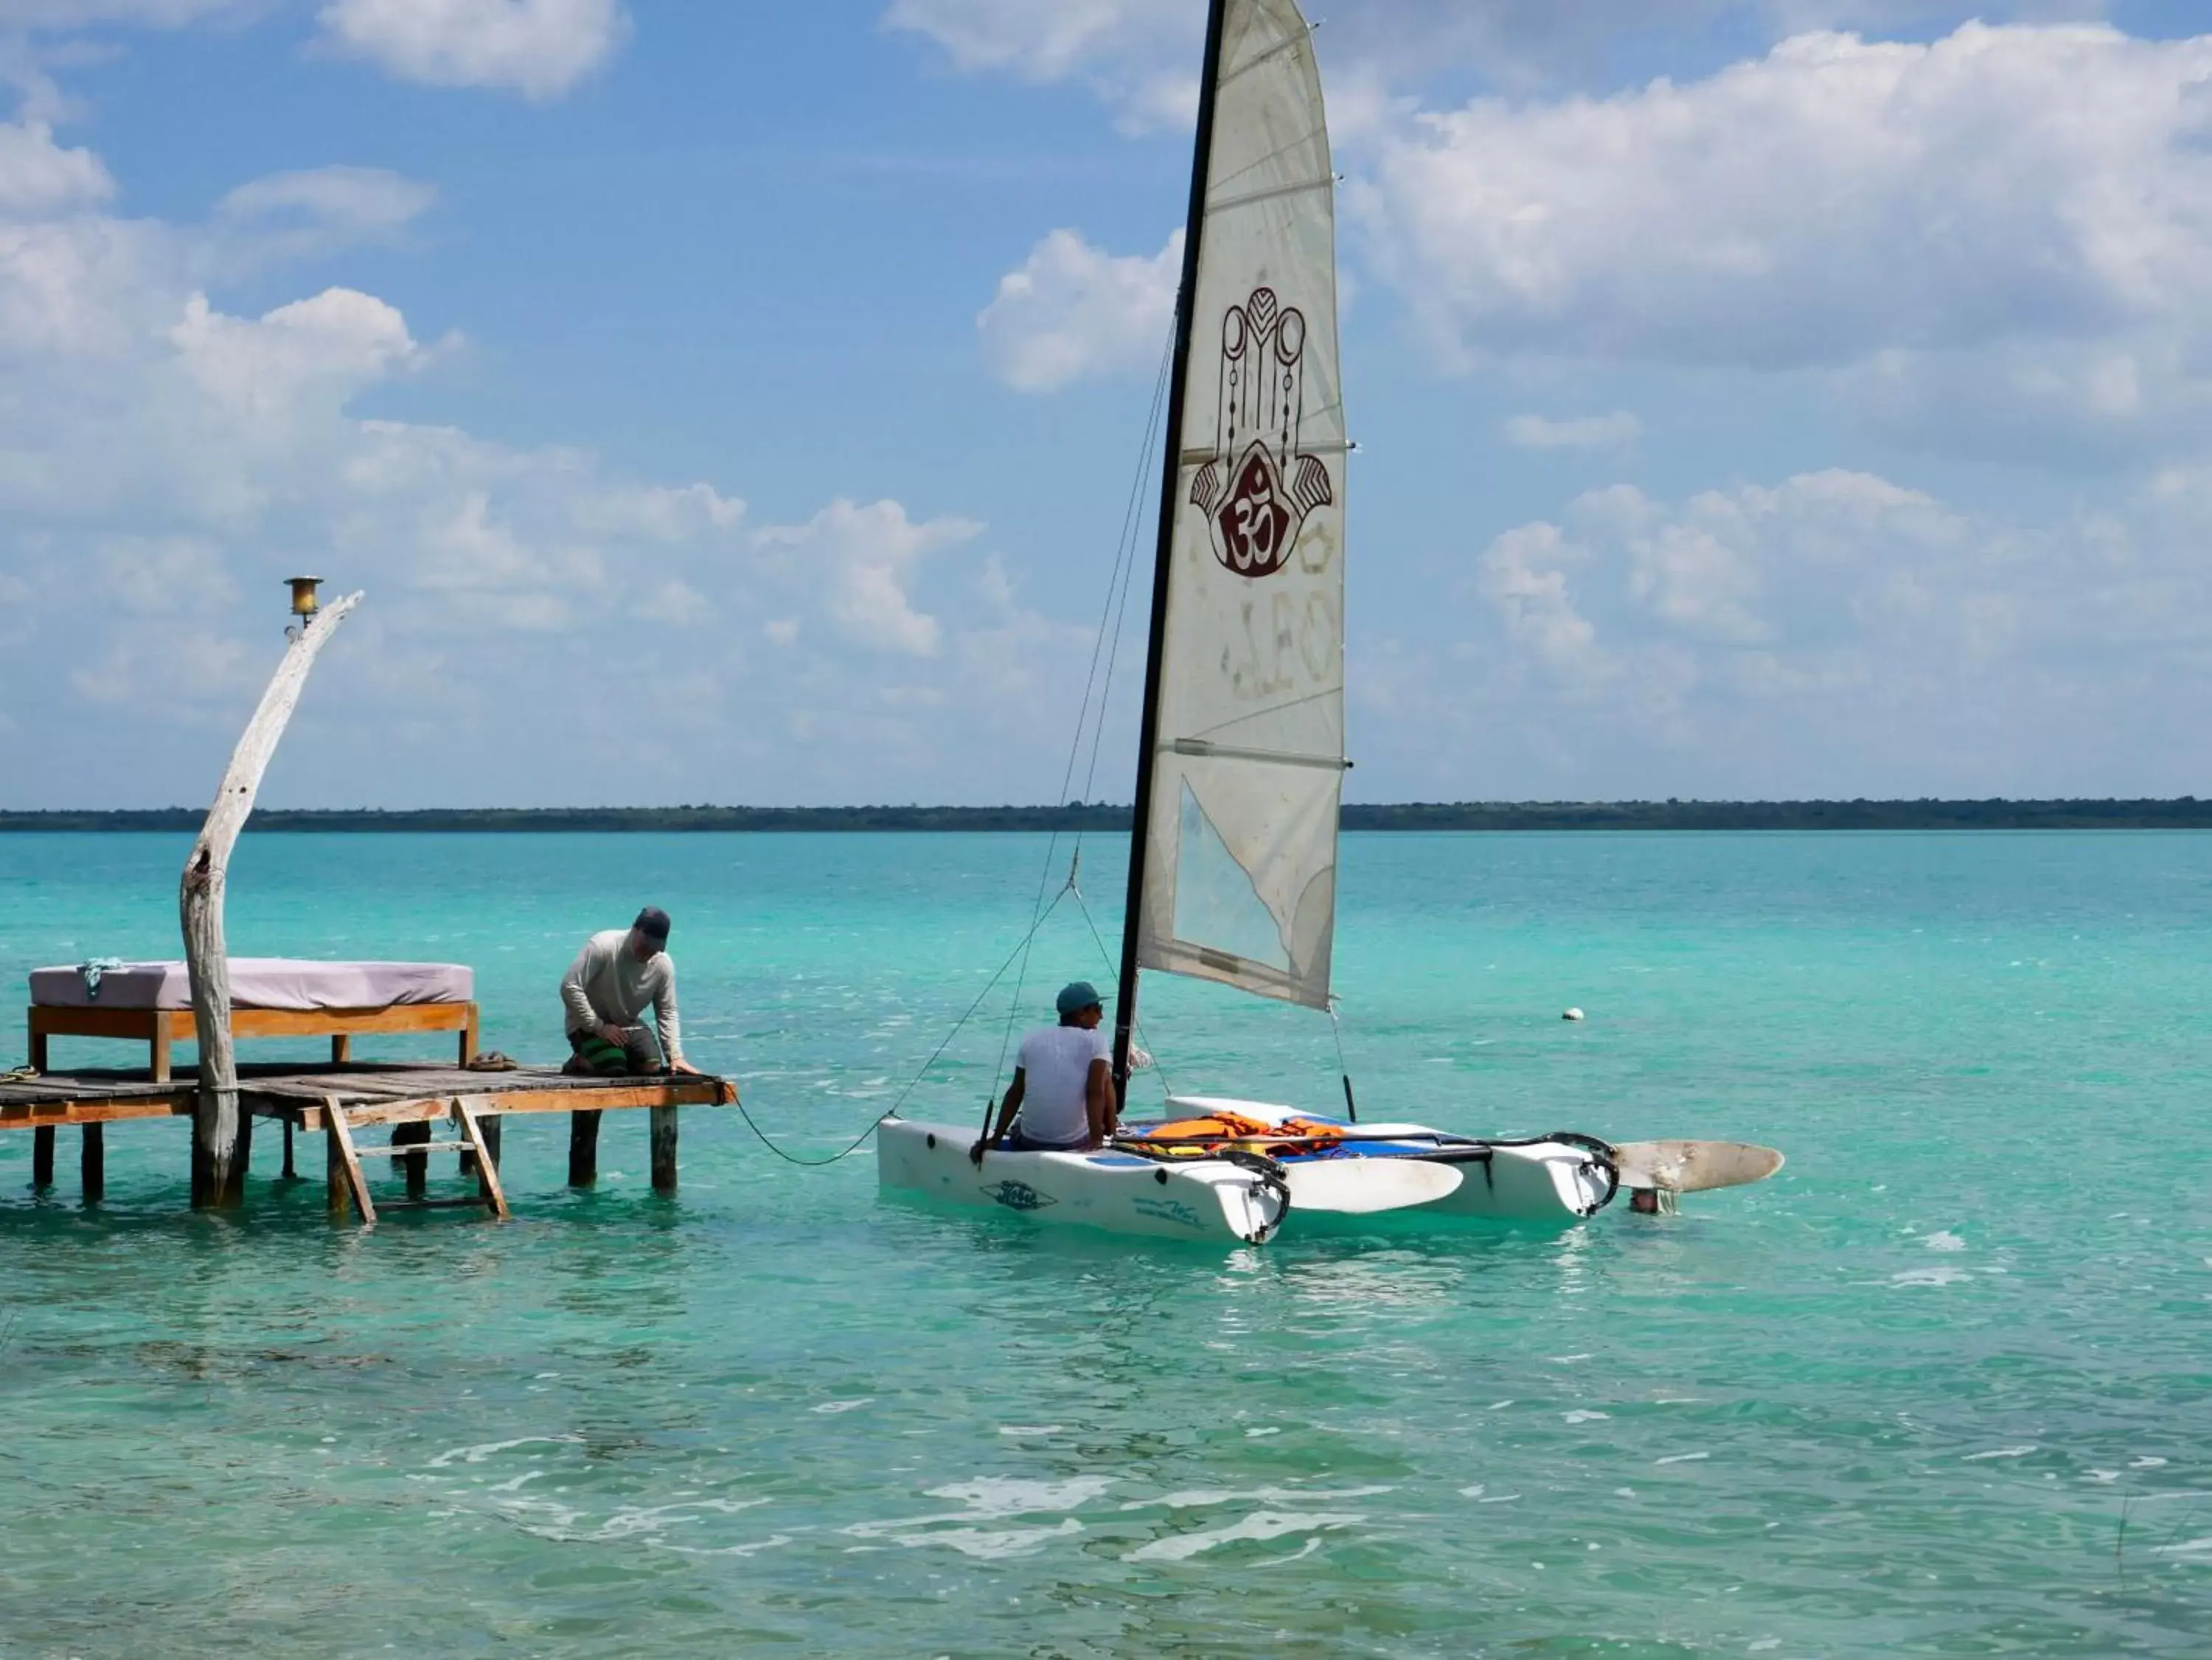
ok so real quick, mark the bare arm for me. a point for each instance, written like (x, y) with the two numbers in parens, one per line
(665, 1021)
(1007, 1108)
(1098, 1102)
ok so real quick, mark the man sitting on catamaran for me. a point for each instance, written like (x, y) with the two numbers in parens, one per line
(617, 974)
(1063, 1086)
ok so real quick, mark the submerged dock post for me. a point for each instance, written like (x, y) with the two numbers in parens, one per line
(218, 1165)
(664, 1149)
(416, 1166)
(92, 1163)
(42, 1157)
(583, 1149)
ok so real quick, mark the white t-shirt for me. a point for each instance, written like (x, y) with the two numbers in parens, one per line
(1055, 1063)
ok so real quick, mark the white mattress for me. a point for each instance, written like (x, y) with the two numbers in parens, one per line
(261, 982)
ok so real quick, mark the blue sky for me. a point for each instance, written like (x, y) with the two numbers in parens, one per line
(737, 403)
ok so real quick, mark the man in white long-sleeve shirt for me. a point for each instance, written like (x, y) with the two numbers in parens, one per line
(614, 976)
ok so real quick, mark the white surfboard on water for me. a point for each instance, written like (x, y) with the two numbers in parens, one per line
(1684, 1166)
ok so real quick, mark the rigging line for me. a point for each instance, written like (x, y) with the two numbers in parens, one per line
(913, 1082)
(1123, 576)
(1130, 524)
(1136, 1026)
(1343, 1066)
(891, 1111)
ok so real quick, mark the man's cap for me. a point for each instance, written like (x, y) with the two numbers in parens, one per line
(1076, 996)
(653, 923)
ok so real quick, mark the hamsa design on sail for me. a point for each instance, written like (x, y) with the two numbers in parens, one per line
(1259, 487)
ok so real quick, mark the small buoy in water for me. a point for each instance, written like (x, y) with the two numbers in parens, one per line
(1573, 1014)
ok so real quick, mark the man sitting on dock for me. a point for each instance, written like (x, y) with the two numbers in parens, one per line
(1063, 1086)
(614, 976)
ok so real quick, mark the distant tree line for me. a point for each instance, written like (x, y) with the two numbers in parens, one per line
(2185, 814)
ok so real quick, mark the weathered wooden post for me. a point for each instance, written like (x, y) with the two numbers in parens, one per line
(42, 1157)
(218, 1172)
(416, 1166)
(583, 1149)
(92, 1163)
(664, 1149)
(335, 1172)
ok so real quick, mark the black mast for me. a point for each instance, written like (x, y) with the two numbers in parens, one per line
(1148, 737)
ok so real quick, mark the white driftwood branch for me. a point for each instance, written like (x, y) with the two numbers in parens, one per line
(216, 1176)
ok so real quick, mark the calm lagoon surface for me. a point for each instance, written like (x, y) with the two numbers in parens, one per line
(1943, 1386)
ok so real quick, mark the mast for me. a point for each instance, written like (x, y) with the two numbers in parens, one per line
(1148, 735)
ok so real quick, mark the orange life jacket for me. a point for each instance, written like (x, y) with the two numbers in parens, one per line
(1195, 1137)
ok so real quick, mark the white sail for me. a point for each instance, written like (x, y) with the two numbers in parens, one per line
(1240, 859)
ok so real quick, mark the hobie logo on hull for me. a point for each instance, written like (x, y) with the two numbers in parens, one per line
(1020, 1195)
(1169, 1210)
(1258, 488)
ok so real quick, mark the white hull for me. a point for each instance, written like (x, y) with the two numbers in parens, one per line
(1205, 1199)
(1544, 1183)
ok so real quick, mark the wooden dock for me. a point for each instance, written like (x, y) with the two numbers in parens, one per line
(337, 1100)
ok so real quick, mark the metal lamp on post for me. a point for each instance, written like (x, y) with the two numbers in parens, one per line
(305, 605)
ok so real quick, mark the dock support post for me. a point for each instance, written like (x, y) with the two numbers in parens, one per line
(218, 1170)
(486, 1127)
(92, 1163)
(42, 1157)
(583, 1149)
(291, 1170)
(416, 1166)
(336, 1173)
(664, 1149)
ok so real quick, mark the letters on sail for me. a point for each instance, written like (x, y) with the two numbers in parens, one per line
(1240, 847)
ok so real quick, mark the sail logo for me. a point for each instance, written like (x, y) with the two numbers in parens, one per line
(1258, 487)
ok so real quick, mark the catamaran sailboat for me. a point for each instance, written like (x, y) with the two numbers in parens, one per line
(1241, 762)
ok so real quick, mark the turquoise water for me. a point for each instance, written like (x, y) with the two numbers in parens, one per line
(1944, 1386)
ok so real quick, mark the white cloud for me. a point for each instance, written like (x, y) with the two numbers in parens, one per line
(864, 558)
(260, 372)
(1071, 310)
(38, 178)
(1834, 199)
(1837, 633)
(541, 48)
(1616, 431)
(540, 628)
(350, 200)
(1141, 57)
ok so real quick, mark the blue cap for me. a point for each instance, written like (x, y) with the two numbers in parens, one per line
(1075, 997)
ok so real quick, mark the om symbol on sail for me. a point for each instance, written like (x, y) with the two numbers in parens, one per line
(1259, 487)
